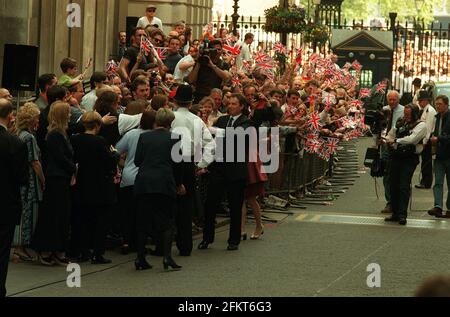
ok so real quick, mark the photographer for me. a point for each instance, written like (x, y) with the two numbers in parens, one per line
(405, 145)
(209, 72)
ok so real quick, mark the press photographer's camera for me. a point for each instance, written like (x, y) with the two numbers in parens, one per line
(207, 54)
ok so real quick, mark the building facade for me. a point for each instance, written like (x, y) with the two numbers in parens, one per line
(93, 27)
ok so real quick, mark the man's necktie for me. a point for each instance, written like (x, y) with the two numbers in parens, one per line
(230, 123)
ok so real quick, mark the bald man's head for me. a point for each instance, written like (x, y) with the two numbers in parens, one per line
(4, 93)
(6, 112)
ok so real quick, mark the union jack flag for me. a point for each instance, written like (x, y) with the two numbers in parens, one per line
(232, 50)
(279, 48)
(365, 93)
(357, 66)
(312, 146)
(261, 57)
(314, 121)
(162, 53)
(112, 67)
(328, 99)
(356, 103)
(332, 146)
(236, 81)
(146, 45)
(381, 88)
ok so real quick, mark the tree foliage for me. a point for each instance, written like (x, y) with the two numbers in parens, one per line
(407, 10)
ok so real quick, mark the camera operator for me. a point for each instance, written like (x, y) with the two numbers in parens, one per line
(396, 111)
(405, 145)
(209, 72)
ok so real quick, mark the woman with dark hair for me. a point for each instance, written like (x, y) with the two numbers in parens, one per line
(127, 146)
(157, 185)
(108, 104)
(160, 101)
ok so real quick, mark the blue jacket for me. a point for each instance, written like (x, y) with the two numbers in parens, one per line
(443, 147)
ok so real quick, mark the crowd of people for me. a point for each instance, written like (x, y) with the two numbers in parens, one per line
(79, 166)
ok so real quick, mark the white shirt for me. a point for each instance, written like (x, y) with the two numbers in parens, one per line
(399, 112)
(244, 56)
(180, 75)
(416, 136)
(429, 117)
(144, 22)
(195, 137)
(89, 100)
(127, 122)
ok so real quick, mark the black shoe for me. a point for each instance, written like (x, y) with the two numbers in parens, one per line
(402, 221)
(421, 186)
(392, 219)
(233, 247)
(84, 258)
(244, 237)
(203, 245)
(169, 262)
(142, 265)
(436, 211)
(100, 260)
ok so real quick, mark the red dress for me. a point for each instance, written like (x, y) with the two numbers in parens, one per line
(256, 180)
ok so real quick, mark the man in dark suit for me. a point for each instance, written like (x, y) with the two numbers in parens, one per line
(228, 173)
(14, 173)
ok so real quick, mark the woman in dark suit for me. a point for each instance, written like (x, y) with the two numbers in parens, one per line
(94, 191)
(157, 185)
(52, 228)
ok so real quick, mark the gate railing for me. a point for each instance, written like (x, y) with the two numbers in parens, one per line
(421, 51)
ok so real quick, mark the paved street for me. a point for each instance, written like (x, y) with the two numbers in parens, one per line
(320, 251)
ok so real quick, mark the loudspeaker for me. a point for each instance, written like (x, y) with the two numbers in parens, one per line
(20, 67)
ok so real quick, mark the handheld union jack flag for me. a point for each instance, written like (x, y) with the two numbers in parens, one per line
(381, 88)
(312, 146)
(232, 50)
(365, 93)
(279, 48)
(332, 146)
(112, 67)
(314, 121)
(328, 99)
(236, 81)
(162, 53)
(356, 103)
(357, 66)
(261, 57)
(146, 46)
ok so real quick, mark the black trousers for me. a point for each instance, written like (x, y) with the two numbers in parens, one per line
(94, 224)
(155, 213)
(185, 207)
(6, 238)
(128, 207)
(427, 166)
(235, 193)
(402, 171)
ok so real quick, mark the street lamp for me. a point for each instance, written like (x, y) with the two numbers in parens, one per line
(235, 16)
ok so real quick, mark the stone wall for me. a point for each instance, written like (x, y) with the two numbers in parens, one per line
(43, 23)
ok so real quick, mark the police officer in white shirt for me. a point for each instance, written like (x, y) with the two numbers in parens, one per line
(405, 142)
(197, 148)
(429, 117)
